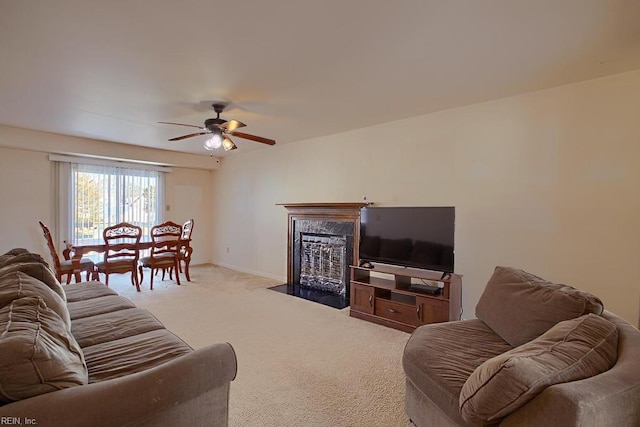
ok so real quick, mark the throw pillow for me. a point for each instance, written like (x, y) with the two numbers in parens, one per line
(571, 350)
(18, 285)
(519, 306)
(22, 257)
(17, 251)
(40, 272)
(7, 257)
(39, 354)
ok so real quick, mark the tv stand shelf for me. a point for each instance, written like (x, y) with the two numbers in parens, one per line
(385, 295)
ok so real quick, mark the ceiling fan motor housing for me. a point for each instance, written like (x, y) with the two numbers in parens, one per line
(212, 124)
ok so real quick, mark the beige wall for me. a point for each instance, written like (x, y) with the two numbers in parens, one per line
(24, 139)
(27, 192)
(188, 195)
(546, 181)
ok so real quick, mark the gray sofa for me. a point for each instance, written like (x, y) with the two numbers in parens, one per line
(538, 354)
(81, 355)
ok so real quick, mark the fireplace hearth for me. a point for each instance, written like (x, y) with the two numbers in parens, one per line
(323, 242)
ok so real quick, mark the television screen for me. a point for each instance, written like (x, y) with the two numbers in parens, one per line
(420, 237)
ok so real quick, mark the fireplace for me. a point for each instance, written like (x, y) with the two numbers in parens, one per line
(323, 258)
(322, 243)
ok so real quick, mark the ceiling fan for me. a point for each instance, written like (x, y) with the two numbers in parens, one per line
(220, 130)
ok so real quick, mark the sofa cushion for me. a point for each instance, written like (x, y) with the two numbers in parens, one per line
(18, 285)
(95, 306)
(87, 290)
(39, 354)
(39, 271)
(438, 359)
(519, 306)
(571, 350)
(114, 359)
(112, 326)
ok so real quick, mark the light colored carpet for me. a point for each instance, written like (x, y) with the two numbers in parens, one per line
(299, 363)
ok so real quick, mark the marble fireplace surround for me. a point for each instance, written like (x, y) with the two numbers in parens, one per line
(340, 219)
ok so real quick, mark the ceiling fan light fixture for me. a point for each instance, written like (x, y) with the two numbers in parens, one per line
(215, 141)
(228, 144)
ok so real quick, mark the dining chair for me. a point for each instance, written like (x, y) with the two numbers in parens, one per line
(121, 252)
(66, 267)
(165, 243)
(185, 251)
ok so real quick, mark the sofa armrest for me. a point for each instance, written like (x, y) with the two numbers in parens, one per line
(139, 398)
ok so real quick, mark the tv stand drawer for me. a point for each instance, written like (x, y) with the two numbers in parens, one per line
(399, 312)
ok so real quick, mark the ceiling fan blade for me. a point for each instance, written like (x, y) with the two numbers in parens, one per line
(228, 144)
(232, 125)
(188, 136)
(181, 124)
(254, 138)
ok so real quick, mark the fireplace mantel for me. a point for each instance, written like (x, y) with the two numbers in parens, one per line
(343, 208)
(347, 213)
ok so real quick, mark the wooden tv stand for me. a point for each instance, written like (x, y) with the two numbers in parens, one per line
(385, 295)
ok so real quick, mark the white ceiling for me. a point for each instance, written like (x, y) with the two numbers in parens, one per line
(293, 69)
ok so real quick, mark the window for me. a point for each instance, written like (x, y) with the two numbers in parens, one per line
(94, 194)
(107, 195)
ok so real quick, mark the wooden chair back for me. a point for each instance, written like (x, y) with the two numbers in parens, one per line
(121, 247)
(184, 254)
(66, 267)
(187, 229)
(121, 243)
(166, 239)
(52, 250)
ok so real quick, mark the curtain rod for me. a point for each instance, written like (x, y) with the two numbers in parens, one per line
(107, 162)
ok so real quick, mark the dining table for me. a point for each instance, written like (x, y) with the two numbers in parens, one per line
(75, 253)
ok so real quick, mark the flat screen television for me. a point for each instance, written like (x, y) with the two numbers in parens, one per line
(419, 237)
